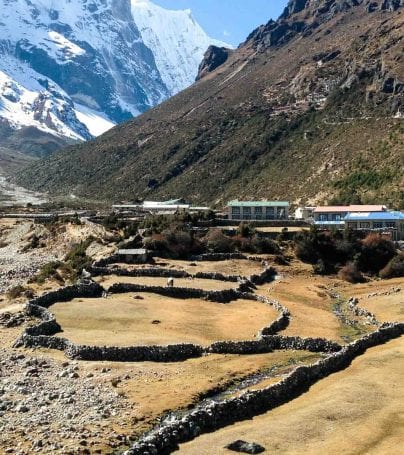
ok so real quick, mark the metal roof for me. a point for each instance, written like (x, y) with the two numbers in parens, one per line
(258, 204)
(375, 216)
(349, 208)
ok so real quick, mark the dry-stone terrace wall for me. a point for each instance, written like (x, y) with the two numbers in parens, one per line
(43, 333)
(215, 415)
(162, 273)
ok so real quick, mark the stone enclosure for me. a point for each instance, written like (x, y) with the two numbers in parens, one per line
(210, 416)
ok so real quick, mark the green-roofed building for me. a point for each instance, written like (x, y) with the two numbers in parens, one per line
(258, 210)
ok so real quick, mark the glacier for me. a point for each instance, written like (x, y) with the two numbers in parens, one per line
(77, 68)
(177, 41)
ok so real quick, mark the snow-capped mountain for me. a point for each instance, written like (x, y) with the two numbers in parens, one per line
(75, 68)
(177, 41)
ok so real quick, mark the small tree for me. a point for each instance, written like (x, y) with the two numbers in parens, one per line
(375, 253)
(245, 230)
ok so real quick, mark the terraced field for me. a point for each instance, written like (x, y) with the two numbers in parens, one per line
(170, 356)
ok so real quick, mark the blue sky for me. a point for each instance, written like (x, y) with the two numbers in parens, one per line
(229, 20)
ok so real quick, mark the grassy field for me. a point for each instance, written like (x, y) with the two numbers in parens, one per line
(357, 411)
(242, 267)
(309, 304)
(387, 304)
(125, 321)
(207, 285)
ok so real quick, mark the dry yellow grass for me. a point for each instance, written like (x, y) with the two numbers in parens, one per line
(207, 285)
(357, 411)
(310, 306)
(388, 307)
(124, 321)
(242, 267)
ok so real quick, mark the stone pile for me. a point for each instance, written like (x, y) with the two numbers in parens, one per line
(51, 407)
(9, 320)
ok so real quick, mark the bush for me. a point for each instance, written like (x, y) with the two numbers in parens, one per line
(375, 253)
(394, 269)
(351, 274)
(245, 230)
(174, 243)
(217, 242)
(49, 270)
(15, 292)
(77, 259)
(323, 268)
(264, 245)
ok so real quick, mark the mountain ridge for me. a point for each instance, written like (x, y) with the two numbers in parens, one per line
(309, 109)
(76, 68)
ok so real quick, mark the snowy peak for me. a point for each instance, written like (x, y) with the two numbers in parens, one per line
(75, 68)
(177, 41)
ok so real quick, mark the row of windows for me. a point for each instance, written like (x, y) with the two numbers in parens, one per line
(270, 210)
(332, 216)
(374, 225)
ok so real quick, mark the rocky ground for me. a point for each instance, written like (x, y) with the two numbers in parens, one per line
(25, 247)
(50, 407)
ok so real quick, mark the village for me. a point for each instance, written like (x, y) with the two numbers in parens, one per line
(263, 213)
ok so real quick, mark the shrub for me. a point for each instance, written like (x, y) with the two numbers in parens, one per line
(323, 268)
(394, 268)
(245, 230)
(174, 243)
(77, 258)
(48, 270)
(351, 274)
(375, 253)
(264, 245)
(15, 292)
(217, 242)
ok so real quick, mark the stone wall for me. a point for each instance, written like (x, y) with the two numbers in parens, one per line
(270, 343)
(68, 293)
(223, 296)
(215, 415)
(171, 353)
(161, 273)
(266, 276)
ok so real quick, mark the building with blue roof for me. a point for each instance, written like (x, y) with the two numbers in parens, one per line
(389, 222)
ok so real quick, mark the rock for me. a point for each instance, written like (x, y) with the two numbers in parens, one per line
(213, 58)
(245, 447)
(22, 408)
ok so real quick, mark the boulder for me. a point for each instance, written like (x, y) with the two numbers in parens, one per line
(245, 447)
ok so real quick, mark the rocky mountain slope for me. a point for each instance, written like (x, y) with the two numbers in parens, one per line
(76, 68)
(309, 108)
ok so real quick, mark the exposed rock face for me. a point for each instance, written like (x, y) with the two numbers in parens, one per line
(214, 57)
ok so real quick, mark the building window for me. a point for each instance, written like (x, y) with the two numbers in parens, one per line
(258, 213)
(323, 217)
(246, 213)
(352, 225)
(235, 212)
(390, 224)
(377, 225)
(270, 213)
(364, 225)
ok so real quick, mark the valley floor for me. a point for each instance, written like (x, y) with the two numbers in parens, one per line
(82, 407)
